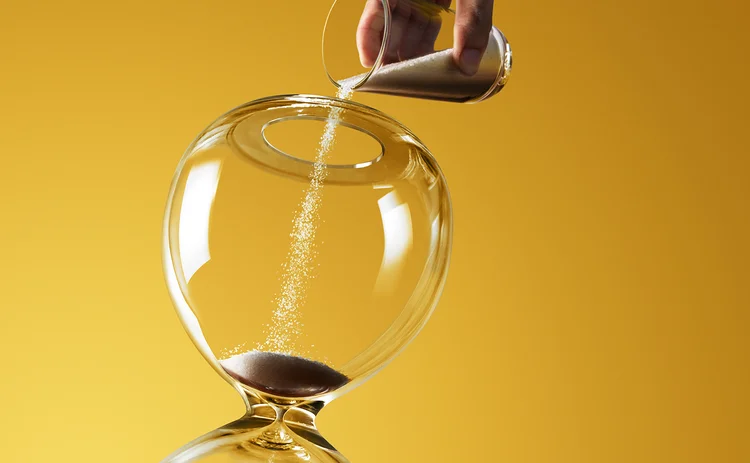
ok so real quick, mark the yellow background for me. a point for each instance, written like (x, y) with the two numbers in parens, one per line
(598, 303)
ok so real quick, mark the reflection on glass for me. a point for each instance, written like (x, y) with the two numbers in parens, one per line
(397, 231)
(200, 190)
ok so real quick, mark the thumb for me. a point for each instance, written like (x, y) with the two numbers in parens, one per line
(471, 33)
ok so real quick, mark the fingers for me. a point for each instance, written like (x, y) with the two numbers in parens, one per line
(413, 31)
(413, 34)
(370, 32)
(429, 23)
(372, 26)
(412, 38)
(471, 33)
(400, 16)
(430, 35)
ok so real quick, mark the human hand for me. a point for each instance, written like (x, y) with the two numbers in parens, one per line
(413, 31)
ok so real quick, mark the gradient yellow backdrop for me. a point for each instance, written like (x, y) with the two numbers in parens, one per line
(598, 304)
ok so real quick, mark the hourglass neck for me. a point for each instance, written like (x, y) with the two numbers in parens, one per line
(295, 414)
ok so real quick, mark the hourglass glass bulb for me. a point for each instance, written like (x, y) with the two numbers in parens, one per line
(294, 326)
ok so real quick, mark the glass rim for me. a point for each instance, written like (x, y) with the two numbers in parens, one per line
(381, 53)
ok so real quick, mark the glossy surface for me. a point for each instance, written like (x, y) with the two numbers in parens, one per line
(379, 247)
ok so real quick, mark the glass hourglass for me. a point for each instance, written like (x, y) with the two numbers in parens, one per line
(300, 271)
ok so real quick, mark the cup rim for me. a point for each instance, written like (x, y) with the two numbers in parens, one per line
(381, 53)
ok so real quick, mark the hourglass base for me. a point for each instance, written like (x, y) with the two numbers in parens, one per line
(262, 435)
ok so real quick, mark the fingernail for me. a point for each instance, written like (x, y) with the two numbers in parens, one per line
(469, 61)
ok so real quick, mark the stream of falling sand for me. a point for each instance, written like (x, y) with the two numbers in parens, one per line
(286, 325)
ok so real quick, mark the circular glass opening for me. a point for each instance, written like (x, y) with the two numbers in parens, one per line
(311, 138)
